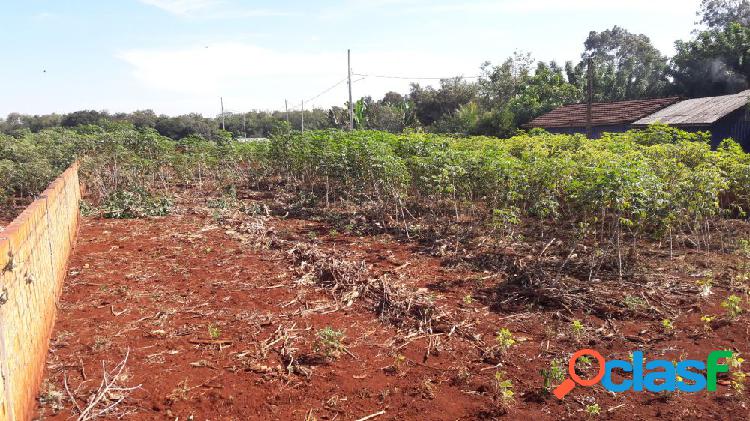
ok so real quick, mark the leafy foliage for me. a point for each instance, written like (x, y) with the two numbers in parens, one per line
(716, 62)
(125, 204)
(656, 182)
(128, 172)
(627, 66)
(329, 342)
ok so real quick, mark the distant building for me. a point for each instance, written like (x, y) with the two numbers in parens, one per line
(251, 139)
(724, 116)
(610, 117)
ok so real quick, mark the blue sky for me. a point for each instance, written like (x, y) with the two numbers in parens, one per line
(179, 56)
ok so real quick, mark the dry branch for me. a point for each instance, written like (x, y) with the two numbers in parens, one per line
(108, 390)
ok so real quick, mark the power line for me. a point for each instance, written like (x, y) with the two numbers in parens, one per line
(326, 90)
(363, 76)
(323, 92)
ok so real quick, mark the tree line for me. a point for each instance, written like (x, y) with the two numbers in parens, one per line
(715, 61)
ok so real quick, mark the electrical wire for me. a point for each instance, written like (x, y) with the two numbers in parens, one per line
(321, 93)
(365, 76)
(327, 90)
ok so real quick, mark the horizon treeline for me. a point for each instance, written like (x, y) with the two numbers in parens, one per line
(715, 61)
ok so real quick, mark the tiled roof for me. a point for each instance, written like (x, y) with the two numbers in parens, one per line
(602, 113)
(698, 111)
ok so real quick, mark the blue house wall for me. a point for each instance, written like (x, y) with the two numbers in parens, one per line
(735, 125)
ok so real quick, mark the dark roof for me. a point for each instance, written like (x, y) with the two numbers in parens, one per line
(602, 113)
(698, 111)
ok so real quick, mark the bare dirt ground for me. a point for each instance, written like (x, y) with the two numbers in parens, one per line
(218, 317)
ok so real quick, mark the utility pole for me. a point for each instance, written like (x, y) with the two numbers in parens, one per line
(351, 104)
(589, 95)
(303, 115)
(286, 108)
(222, 113)
(243, 124)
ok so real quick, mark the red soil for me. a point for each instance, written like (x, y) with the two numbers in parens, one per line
(157, 286)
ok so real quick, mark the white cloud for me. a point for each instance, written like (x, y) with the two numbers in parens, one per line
(249, 76)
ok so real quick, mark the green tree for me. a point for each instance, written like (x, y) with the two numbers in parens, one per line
(718, 14)
(499, 84)
(513, 93)
(547, 89)
(430, 104)
(82, 118)
(143, 118)
(716, 62)
(627, 66)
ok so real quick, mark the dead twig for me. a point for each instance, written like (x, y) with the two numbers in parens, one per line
(371, 416)
(108, 390)
(118, 313)
(70, 395)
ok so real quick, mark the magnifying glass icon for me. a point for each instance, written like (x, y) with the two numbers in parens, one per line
(570, 383)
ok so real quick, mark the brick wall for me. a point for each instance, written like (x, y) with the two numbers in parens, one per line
(34, 251)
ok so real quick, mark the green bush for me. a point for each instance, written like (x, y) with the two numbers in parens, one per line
(656, 181)
(124, 204)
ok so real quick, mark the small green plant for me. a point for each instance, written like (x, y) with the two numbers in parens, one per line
(593, 410)
(223, 202)
(743, 248)
(504, 388)
(505, 220)
(634, 303)
(738, 376)
(329, 342)
(398, 361)
(584, 361)
(214, 332)
(735, 361)
(738, 382)
(705, 286)
(667, 326)
(86, 208)
(733, 306)
(577, 328)
(554, 375)
(468, 299)
(706, 319)
(504, 339)
(138, 203)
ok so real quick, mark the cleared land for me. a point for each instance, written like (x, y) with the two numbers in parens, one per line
(219, 311)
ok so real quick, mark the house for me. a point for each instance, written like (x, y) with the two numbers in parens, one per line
(605, 116)
(724, 116)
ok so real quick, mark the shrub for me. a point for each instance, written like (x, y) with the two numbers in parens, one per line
(125, 204)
